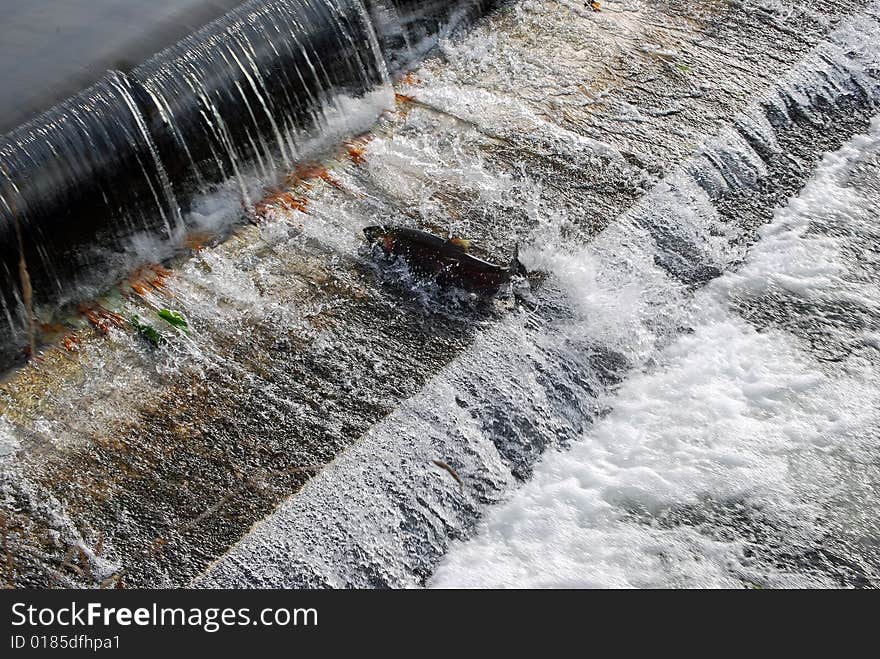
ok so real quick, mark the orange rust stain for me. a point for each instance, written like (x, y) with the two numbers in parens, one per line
(356, 149)
(329, 180)
(151, 276)
(410, 79)
(356, 153)
(308, 172)
(405, 103)
(196, 240)
(160, 271)
(100, 318)
(70, 343)
(283, 200)
(294, 203)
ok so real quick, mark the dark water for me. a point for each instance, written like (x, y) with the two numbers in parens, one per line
(51, 49)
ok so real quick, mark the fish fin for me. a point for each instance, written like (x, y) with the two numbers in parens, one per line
(461, 243)
(516, 267)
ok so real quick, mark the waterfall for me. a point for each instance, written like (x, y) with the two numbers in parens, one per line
(235, 100)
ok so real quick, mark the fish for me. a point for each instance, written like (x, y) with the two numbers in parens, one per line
(446, 260)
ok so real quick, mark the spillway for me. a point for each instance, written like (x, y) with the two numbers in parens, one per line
(244, 98)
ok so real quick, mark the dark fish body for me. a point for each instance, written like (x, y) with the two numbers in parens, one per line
(444, 260)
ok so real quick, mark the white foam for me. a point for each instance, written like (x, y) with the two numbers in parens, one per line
(751, 419)
(725, 416)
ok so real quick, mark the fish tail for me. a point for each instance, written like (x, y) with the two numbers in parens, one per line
(516, 267)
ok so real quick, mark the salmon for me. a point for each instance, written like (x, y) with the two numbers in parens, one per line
(445, 260)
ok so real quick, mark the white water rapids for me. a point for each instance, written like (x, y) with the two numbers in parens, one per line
(697, 431)
(725, 416)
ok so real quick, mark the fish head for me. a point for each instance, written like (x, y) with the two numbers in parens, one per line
(381, 236)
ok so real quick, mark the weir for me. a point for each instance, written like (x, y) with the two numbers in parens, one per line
(127, 155)
(324, 422)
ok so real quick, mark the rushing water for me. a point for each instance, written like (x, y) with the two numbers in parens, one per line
(744, 453)
(240, 99)
(701, 429)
